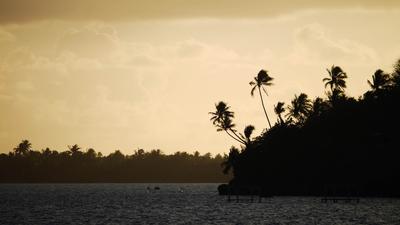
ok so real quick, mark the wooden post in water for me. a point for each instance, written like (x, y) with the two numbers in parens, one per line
(229, 194)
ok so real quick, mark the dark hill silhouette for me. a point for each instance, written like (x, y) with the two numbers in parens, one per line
(337, 146)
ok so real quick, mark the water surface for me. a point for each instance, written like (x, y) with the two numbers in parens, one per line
(176, 204)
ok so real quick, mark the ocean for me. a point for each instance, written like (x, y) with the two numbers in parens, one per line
(177, 204)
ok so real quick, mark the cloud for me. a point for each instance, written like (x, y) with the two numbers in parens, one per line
(6, 36)
(314, 43)
(16, 11)
(18, 57)
(90, 42)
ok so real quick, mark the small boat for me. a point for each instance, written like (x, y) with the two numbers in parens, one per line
(156, 188)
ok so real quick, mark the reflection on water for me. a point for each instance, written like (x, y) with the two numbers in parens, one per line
(175, 204)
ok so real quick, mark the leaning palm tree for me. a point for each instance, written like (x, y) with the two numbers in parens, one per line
(260, 82)
(222, 119)
(380, 80)
(279, 109)
(336, 79)
(227, 125)
(300, 108)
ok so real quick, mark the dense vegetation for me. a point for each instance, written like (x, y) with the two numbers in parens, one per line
(27, 165)
(334, 145)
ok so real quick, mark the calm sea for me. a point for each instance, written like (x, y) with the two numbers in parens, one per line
(176, 204)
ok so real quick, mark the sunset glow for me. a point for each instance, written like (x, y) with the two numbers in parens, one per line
(129, 74)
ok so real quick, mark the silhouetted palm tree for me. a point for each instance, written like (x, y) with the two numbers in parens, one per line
(262, 79)
(279, 109)
(397, 67)
(222, 111)
(91, 153)
(222, 119)
(300, 108)
(335, 95)
(319, 106)
(231, 160)
(46, 152)
(23, 148)
(117, 156)
(74, 149)
(248, 131)
(395, 77)
(380, 80)
(336, 79)
(227, 125)
(336, 82)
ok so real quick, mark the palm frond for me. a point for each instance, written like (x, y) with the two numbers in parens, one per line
(252, 90)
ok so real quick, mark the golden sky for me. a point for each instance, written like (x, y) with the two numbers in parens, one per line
(144, 74)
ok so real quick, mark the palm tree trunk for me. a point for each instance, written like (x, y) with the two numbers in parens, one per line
(243, 141)
(265, 111)
(280, 118)
(238, 140)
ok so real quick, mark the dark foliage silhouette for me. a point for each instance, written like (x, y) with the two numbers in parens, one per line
(73, 165)
(380, 80)
(336, 146)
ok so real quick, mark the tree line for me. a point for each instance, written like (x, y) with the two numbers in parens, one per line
(334, 144)
(24, 164)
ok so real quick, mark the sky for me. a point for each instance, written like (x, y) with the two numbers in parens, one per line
(136, 74)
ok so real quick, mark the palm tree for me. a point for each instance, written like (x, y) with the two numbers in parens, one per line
(91, 153)
(227, 125)
(117, 155)
(397, 67)
(279, 109)
(222, 111)
(335, 96)
(248, 131)
(231, 160)
(23, 148)
(300, 108)
(262, 79)
(46, 152)
(222, 119)
(395, 76)
(380, 80)
(319, 106)
(74, 149)
(336, 79)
